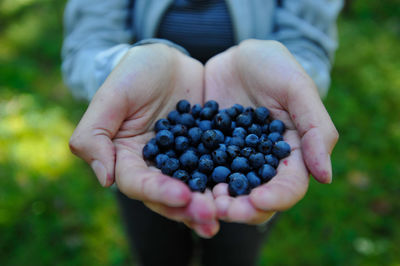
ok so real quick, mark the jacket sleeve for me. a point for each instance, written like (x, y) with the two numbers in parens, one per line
(97, 35)
(308, 29)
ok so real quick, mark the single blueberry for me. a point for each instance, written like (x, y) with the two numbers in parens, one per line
(233, 151)
(247, 151)
(160, 159)
(189, 160)
(206, 164)
(211, 104)
(206, 113)
(187, 120)
(201, 149)
(153, 141)
(220, 157)
(170, 153)
(252, 140)
(281, 149)
(265, 146)
(257, 160)
(244, 120)
(170, 166)
(240, 164)
(277, 126)
(254, 180)
(210, 139)
(261, 114)
(233, 125)
(181, 143)
(181, 175)
(237, 141)
(179, 130)
(205, 125)
(220, 136)
(165, 138)
(227, 140)
(194, 135)
(271, 160)
(183, 106)
(220, 174)
(239, 108)
(232, 112)
(222, 121)
(238, 185)
(255, 129)
(265, 128)
(222, 146)
(197, 184)
(239, 132)
(197, 174)
(249, 110)
(266, 172)
(196, 109)
(150, 150)
(275, 137)
(162, 124)
(174, 117)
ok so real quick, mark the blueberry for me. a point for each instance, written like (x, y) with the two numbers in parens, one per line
(240, 164)
(205, 125)
(233, 151)
(160, 159)
(237, 141)
(244, 120)
(181, 143)
(233, 125)
(197, 184)
(194, 135)
(222, 146)
(201, 149)
(277, 126)
(265, 128)
(162, 124)
(281, 149)
(187, 120)
(249, 110)
(222, 121)
(210, 139)
(239, 108)
(183, 106)
(174, 117)
(206, 113)
(179, 130)
(165, 138)
(238, 185)
(227, 140)
(255, 129)
(232, 112)
(252, 140)
(219, 157)
(254, 180)
(211, 104)
(257, 160)
(271, 160)
(247, 151)
(181, 175)
(206, 164)
(196, 109)
(275, 137)
(265, 145)
(239, 132)
(220, 136)
(170, 153)
(261, 114)
(150, 150)
(189, 160)
(220, 174)
(266, 172)
(153, 141)
(170, 166)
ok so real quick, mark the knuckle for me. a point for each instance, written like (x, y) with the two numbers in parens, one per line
(75, 145)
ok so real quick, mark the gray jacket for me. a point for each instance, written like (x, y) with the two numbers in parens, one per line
(97, 34)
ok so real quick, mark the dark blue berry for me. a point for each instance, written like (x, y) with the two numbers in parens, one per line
(271, 160)
(189, 160)
(222, 147)
(205, 125)
(275, 137)
(179, 130)
(197, 184)
(237, 141)
(206, 164)
(239, 132)
(249, 110)
(160, 159)
(220, 157)
(255, 129)
(207, 113)
(233, 151)
(252, 140)
(265, 145)
(174, 117)
(162, 124)
(210, 139)
(233, 125)
(254, 180)
(220, 174)
(201, 149)
(196, 109)
(238, 185)
(265, 128)
(244, 120)
(239, 108)
(220, 136)
(194, 135)
(261, 114)
(197, 174)
(211, 104)
(232, 112)
(227, 140)
(181, 143)
(257, 160)
(165, 138)
(170, 166)
(183, 106)
(277, 126)
(170, 153)
(281, 149)
(222, 121)
(150, 150)
(266, 172)
(240, 164)
(187, 120)
(181, 175)
(153, 141)
(247, 151)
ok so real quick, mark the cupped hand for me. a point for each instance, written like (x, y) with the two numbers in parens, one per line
(119, 121)
(264, 73)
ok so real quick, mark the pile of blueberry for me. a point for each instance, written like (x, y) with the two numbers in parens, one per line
(204, 146)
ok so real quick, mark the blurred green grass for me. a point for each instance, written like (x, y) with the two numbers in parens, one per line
(53, 211)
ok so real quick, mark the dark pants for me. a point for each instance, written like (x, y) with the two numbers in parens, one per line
(156, 240)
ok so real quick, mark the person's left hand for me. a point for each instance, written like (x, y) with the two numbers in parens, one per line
(264, 73)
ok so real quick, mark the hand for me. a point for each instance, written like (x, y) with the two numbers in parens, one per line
(144, 87)
(264, 73)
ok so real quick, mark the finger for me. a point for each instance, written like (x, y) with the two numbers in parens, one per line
(207, 230)
(288, 186)
(317, 131)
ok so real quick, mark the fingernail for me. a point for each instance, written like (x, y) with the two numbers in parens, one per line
(100, 172)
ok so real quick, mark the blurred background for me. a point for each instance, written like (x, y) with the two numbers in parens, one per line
(52, 209)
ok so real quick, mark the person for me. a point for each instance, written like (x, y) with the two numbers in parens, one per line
(135, 59)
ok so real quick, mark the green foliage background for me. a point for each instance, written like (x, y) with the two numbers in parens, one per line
(52, 211)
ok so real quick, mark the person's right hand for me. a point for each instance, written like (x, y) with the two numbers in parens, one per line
(144, 87)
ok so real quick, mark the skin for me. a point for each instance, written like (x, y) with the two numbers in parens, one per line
(121, 116)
